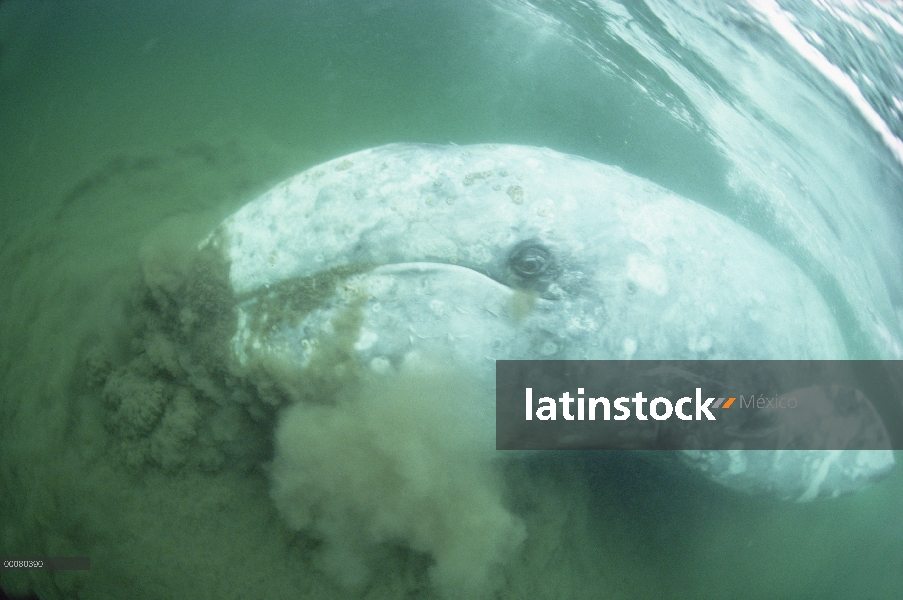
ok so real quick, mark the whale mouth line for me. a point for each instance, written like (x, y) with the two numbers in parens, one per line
(348, 272)
(475, 276)
(461, 279)
(427, 266)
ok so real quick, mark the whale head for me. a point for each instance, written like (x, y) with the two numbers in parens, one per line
(400, 257)
(487, 252)
(352, 317)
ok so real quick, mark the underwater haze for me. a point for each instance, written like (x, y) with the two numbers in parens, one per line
(129, 130)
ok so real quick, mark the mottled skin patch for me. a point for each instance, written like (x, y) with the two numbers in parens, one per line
(516, 193)
(470, 178)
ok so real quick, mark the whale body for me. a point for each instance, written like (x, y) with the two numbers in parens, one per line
(408, 255)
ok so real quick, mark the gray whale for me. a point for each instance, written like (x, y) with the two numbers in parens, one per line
(404, 256)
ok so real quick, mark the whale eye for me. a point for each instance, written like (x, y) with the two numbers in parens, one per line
(530, 261)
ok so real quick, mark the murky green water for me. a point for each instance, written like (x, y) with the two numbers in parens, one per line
(127, 127)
